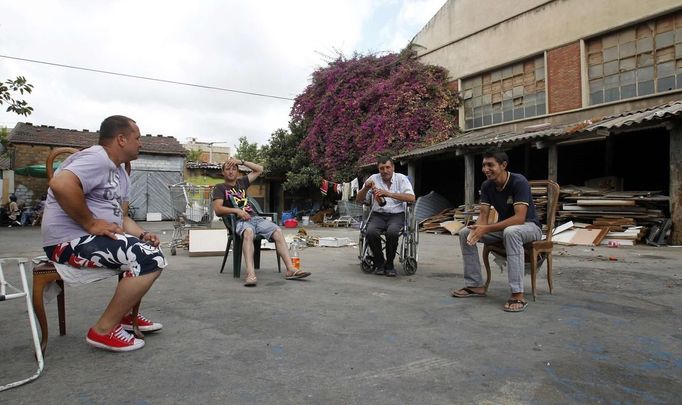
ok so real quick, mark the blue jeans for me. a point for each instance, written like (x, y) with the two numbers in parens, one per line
(513, 238)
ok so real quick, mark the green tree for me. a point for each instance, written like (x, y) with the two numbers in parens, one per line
(283, 157)
(193, 155)
(248, 151)
(11, 87)
(4, 134)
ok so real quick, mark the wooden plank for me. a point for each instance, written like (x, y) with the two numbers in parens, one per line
(587, 237)
(563, 227)
(602, 233)
(607, 202)
(452, 226)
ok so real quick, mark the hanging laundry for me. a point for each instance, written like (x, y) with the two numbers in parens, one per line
(354, 186)
(345, 194)
(324, 187)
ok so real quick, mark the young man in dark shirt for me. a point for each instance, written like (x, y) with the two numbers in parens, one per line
(509, 193)
(231, 198)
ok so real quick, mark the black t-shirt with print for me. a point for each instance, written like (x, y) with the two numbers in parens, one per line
(516, 191)
(235, 196)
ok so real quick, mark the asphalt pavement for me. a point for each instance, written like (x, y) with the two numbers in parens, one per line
(610, 333)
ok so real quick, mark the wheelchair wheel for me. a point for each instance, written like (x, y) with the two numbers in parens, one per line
(366, 265)
(410, 266)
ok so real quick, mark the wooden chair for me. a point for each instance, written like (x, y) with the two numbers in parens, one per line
(45, 273)
(546, 199)
(230, 222)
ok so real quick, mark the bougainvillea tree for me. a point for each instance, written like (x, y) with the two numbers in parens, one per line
(357, 108)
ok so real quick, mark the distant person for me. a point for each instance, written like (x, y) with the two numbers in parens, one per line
(387, 192)
(230, 198)
(84, 222)
(38, 210)
(13, 211)
(518, 224)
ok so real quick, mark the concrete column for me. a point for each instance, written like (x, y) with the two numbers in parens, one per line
(412, 174)
(676, 184)
(552, 162)
(469, 186)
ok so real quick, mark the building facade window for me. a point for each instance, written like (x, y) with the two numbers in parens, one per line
(636, 61)
(513, 92)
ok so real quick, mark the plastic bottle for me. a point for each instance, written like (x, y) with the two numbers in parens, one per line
(295, 259)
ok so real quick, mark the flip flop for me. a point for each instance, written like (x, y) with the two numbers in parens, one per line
(511, 301)
(297, 274)
(469, 293)
(250, 281)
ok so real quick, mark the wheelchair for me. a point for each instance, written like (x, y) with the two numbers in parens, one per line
(408, 242)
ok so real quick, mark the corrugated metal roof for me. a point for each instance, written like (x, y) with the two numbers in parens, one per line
(4, 162)
(632, 118)
(490, 137)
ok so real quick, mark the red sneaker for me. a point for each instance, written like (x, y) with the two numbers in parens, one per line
(117, 340)
(145, 324)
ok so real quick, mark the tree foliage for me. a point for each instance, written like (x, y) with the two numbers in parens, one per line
(248, 151)
(359, 107)
(4, 140)
(283, 157)
(11, 87)
(193, 155)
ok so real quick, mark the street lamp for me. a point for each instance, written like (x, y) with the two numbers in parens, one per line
(210, 150)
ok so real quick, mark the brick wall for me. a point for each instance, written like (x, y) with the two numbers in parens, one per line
(29, 189)
(563, 81)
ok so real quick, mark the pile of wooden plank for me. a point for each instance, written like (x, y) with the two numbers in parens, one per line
(584, 204)
(434, 223)
(615, 218)
(583, 234)
(453, 219)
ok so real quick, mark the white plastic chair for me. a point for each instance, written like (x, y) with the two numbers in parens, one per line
(25, 293)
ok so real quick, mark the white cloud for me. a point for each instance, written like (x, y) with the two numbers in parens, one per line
(269, 47)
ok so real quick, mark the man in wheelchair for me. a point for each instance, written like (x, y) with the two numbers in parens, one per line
(386, 192)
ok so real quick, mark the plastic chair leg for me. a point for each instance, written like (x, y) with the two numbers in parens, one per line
(256, 253)
(227, 252)
(237, 259)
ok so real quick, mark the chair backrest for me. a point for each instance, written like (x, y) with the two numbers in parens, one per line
(62, 151)
(548, 196)
(51, 157)
(255, 205)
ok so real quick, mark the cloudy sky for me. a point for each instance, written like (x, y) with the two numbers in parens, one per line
(269, 47)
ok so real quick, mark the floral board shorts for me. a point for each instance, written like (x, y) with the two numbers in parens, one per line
(126, 253)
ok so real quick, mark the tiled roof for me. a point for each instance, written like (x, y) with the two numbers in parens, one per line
(491, 136)
(27, 133)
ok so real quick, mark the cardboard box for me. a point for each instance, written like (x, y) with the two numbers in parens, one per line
(334, 242)
(153, 216)
(207, 242)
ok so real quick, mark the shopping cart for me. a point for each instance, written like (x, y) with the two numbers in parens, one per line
(191, 209)
(351, 213)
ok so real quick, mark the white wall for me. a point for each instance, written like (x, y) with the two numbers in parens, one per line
(159, 162)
